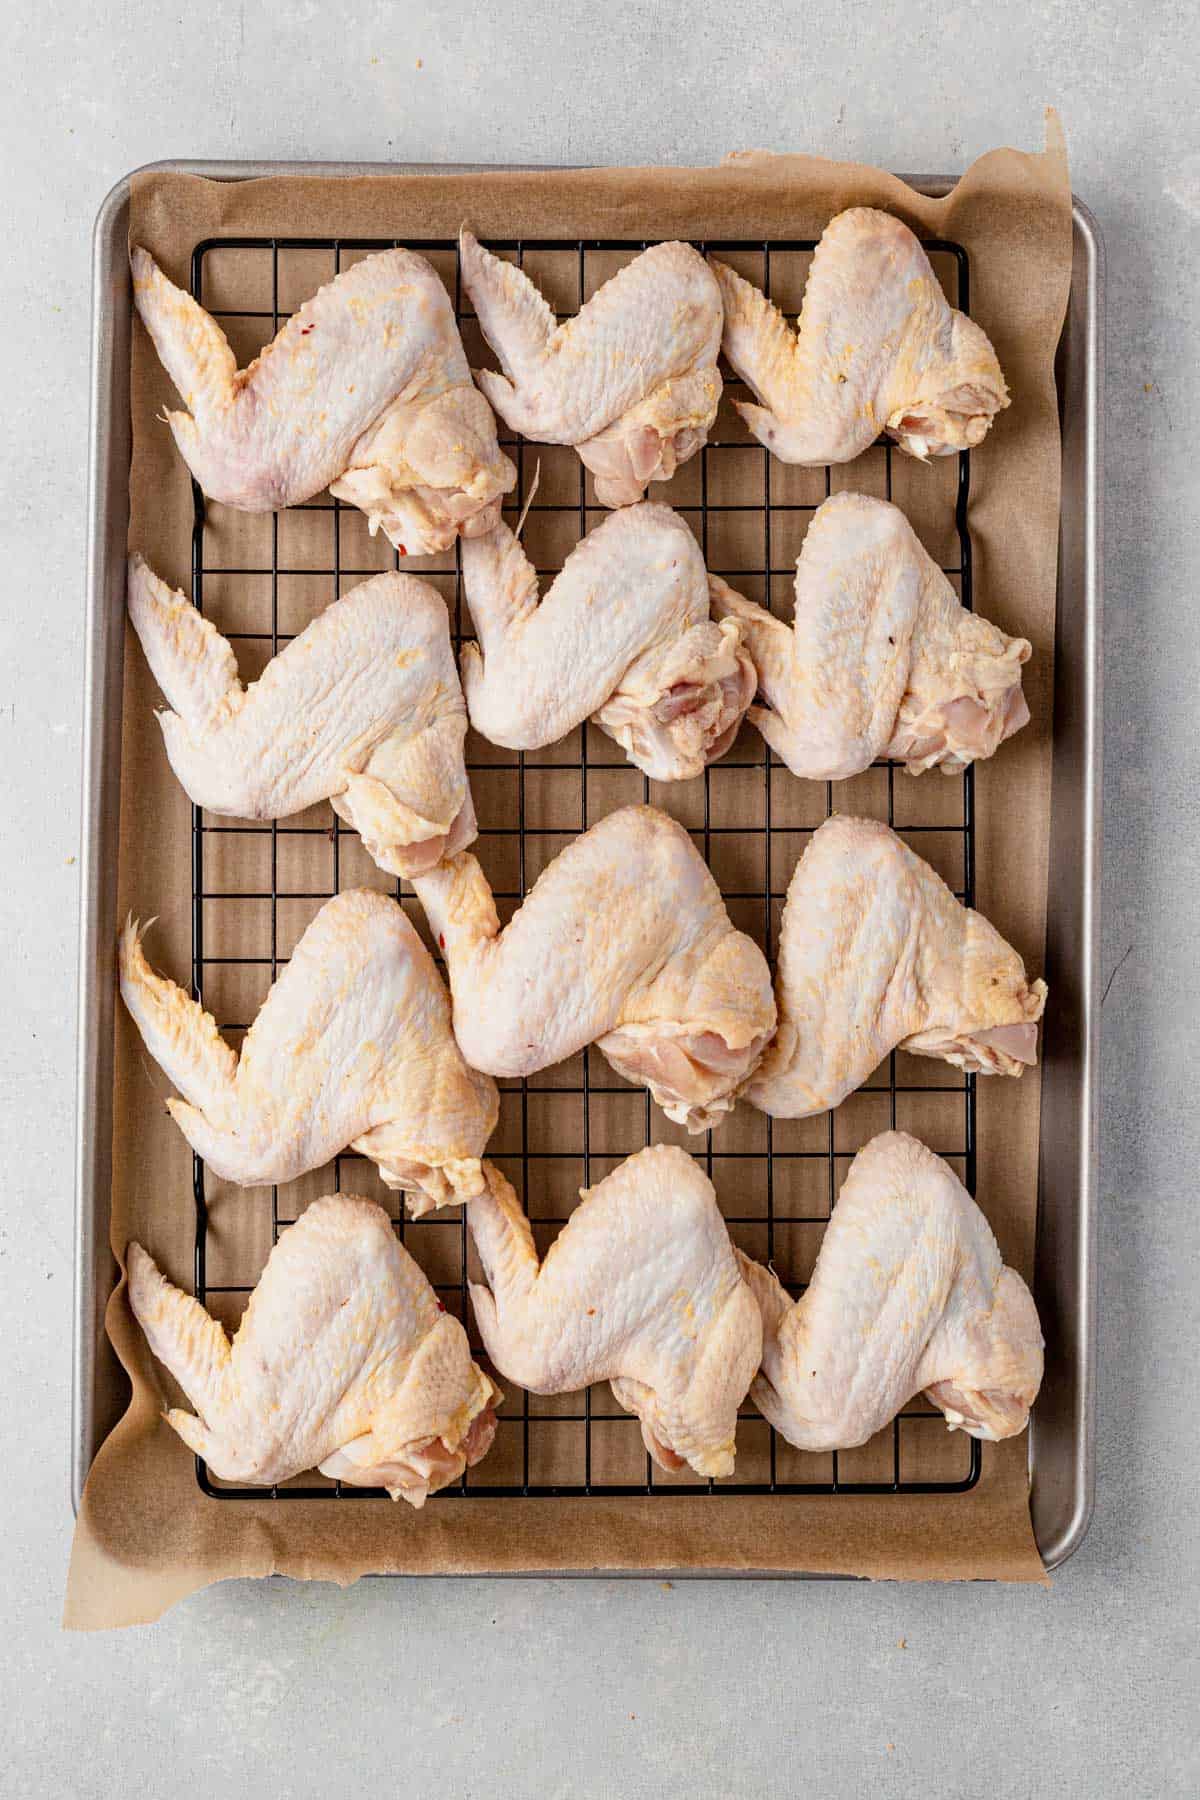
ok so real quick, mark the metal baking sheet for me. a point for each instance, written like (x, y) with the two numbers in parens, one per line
(1060, 1452)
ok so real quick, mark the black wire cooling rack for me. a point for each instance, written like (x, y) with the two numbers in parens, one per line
(563, 1129)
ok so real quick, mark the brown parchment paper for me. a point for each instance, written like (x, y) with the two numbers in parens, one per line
(146, 1535)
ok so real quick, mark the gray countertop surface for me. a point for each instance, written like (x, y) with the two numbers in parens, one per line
(543, 1689)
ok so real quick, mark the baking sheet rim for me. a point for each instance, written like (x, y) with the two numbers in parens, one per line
(107, 519)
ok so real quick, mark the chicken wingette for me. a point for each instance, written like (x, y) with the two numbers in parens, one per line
(365, 390)
(623, 635)
(877, 348)
(631, 379)
(641, 1288)
(345, 1361)
(875, 955)
(910, 1294)
(353, 1046)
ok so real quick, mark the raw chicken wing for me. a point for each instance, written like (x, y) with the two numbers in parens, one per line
(624, 941)
(345, 1360)
(631, 380)
(909, 1294)
(365, 390)
(623, 636)
(353, 1046)
(363, 708)
(876, 954)
(641, 1288)
(883, 660)
(877, 348)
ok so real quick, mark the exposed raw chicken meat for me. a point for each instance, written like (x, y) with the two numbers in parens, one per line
(363, 708)
(345, 1360)
(353, 1046)
(631, 380)
(910, 1293)
(883, 660)
(365, 390)
(624, 942)
(877, 348)
(876, 954)
(641, 1288)
(623, 636)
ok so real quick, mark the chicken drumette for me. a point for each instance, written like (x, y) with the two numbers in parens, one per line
(345, 1360)
(877, 348)
(365, 390)
(641, 1288)
(363, 708)
(624, 942)
(631, 380)
(909, 1294)
(623, 636)
(876, 954)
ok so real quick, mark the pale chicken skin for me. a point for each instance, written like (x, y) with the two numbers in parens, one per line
(623, 942)
(909, 1295)
(641, 1288)
(365, 390)
(353, 1046)
(623, 636)
(882, 660)
(876, 954)
(344, 1361)
(877, 348)
(363, 708)
(631, 380)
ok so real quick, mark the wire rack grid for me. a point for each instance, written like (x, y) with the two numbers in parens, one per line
(254, 887)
